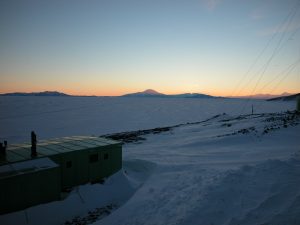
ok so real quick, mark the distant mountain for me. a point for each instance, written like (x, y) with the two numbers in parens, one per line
(146, 93)
(153, 93)
(191, 95)
(285, 98)
(262, 96)
(44, 93)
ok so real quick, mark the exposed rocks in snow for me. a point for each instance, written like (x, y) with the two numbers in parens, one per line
(135, 136)
(271, 121)
(92, 216)
(277, 121)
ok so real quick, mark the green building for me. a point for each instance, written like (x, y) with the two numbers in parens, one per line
(28, 183)
(60, 164)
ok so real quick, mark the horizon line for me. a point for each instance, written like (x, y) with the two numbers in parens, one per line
(95, 95)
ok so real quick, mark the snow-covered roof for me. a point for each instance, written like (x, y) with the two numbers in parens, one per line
(45, 148)
(26, 167)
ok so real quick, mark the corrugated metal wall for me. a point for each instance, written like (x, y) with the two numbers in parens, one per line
(24, 190)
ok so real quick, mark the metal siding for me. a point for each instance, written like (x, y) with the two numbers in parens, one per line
(95, 143)
(82, 167)
(75, 149)
(68, 174)
(46, 151)
(24, 190)
(45, 185)
(12, 157)
(117, 162)
(95, 172)
(10, 187)
(70, 147)
(58, 148)
(52, 191)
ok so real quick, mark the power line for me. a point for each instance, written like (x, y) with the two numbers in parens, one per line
(285, 21)
(294, 64)
(252, 65)
(291, 68)
(279, 45)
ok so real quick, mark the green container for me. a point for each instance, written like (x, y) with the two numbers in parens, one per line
(73, 161)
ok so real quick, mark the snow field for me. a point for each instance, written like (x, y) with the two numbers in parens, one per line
(226, 171)
(205, 176)
(52, 117)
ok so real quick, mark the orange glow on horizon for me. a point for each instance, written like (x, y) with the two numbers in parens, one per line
(122, 91)
(122, 87)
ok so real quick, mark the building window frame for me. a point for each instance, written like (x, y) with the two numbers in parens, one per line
(69, 164)
(105, 156)
(93, 158)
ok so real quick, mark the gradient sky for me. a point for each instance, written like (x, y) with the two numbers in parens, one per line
(113, 47)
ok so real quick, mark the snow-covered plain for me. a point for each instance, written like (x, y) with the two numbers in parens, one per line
(228, 170)
(52, 117)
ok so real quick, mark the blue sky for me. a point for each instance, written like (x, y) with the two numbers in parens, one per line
(116, 47)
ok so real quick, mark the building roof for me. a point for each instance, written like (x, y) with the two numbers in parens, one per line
(29, 166)
(22, 152)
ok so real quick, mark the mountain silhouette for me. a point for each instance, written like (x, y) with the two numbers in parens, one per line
(153, 93)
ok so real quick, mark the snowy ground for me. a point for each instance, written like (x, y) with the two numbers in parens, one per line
(247, 172)
(52, 117)
(227, 170)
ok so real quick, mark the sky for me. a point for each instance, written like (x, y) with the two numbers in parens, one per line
(114, 47)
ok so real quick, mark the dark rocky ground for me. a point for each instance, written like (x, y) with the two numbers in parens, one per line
(135, 136)
(271, 121)
(92, 216)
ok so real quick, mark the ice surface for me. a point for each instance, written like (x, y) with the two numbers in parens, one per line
(52, 117)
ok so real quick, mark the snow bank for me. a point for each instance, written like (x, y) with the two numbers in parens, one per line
(209, 173)
(267, 193)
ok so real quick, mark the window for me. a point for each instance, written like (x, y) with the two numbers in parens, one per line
(93, 158)
(69, 164)
(106, 156)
